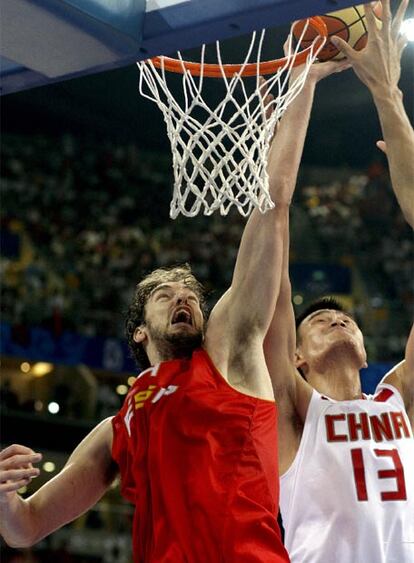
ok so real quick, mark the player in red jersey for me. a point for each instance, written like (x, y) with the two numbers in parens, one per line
(196, 440)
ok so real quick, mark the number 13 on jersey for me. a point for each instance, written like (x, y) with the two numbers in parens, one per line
(396, 472)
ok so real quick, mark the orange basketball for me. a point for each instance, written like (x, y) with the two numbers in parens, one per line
(349, 24)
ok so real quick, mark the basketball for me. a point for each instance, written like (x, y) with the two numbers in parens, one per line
(348, 24)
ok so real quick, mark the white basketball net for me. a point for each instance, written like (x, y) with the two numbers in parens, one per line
(220, 161)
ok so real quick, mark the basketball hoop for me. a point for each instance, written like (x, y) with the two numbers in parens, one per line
(208, 175)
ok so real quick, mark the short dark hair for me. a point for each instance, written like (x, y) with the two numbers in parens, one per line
(136, 312)
(320, 304)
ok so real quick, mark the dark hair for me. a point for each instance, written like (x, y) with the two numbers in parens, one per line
(136, 312)
(322, 303)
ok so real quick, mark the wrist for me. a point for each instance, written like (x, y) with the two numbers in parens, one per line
(383, 95)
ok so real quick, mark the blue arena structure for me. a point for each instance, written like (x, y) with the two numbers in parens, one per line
(45, 41)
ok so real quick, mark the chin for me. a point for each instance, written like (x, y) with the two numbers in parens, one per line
(185, 339)
(345, 350)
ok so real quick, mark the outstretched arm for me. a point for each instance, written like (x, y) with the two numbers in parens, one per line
(291, 391)
(246, 310)
(378, 66)
(402, 377)
(81, 483)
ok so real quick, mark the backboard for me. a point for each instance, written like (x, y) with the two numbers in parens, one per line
(45, 41)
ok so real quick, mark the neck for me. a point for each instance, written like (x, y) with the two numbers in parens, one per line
(341, 383)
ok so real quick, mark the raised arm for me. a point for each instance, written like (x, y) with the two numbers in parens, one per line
(378, 66)
(402, 377)
(245, 312)
(81, 483)
(291, 392)
(280, 342)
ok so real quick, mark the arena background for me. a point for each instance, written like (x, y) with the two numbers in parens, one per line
(86, 176)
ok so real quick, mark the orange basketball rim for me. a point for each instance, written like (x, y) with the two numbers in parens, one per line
(250, 69)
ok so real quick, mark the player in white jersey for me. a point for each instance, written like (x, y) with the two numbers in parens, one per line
(347, 482)
(347, 461)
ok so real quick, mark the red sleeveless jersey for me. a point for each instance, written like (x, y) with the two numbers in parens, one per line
(198, 459)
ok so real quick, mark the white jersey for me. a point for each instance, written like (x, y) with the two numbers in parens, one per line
(349, 495)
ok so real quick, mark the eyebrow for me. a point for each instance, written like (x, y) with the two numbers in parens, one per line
(165, 286)
(161, 287)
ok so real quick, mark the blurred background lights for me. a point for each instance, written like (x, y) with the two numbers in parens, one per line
(298, 299)
(38, 406)
(41, 368)
(318, 275)
(122, 389)
(22, 490)
(49, 466)
(407, 29)
(25, 367)
(131, 380)
(53, 407)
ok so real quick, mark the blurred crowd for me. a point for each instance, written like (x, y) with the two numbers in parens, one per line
(82, 222)
(358, 222)
(358, 218)
(80, 225)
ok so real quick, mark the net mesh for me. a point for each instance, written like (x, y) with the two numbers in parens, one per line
(220, 152)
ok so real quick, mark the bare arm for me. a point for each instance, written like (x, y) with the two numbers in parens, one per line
(249, 305)
(378, 67)
(291, 391)
(240, 320)
(280, 342)
(402, 377)
(81, 483)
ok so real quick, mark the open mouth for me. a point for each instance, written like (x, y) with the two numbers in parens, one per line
(182, 316)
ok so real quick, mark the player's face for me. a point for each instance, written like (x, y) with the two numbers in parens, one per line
(331, 335)
(174, 309)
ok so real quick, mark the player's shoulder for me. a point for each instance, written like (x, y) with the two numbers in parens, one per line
(388, 390)
(393, 380)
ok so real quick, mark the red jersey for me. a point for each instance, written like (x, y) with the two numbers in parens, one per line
(198, 459)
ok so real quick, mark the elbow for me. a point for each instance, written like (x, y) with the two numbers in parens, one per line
(20, 538)
(19, 543)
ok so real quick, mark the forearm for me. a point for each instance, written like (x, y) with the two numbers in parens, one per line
(280, 340)
(81, 483)
(265, 236)
(17, 522)
(286, 150)
(399, 138)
